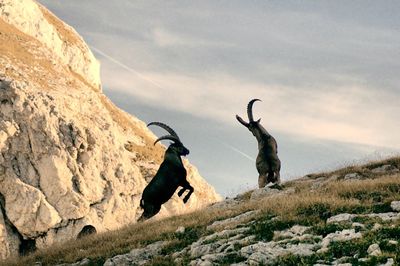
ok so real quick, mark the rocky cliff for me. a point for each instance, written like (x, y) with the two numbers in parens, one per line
(70, 160)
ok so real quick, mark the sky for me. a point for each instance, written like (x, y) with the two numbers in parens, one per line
(327, 73)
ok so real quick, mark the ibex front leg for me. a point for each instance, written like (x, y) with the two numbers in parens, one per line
(186, 186)
(262, 181)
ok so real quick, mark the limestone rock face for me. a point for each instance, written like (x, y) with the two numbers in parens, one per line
(36, 21)
(69, 158)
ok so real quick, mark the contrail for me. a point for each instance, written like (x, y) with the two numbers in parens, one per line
(238, 151)
(112, 59)
(158, 86)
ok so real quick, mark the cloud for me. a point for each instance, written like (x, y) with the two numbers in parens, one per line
(323, 70)
(349, 113)
(281, 43)
(166, 38)
(125, 67)
(327, 73)
(245, 155)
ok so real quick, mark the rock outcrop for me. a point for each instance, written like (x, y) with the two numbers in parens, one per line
(371, 238)
(240, 247)
(69, 158)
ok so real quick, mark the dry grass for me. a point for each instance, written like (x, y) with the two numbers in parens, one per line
(329, 199)
(385, 183)
(312, 205)
(15, 45)
(364, 169)
(148, 152)
(70, 38)
(62, 29)
(120, 241)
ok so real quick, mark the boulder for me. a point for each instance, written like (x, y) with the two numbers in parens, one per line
(385, 169)
(343, 217)
(395, 205)
(264, 192)
(139, 256)
(352, 176)
(374, 250)
(344, 235)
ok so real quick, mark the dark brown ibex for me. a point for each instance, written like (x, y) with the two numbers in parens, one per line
(267, 163)
(168, 178)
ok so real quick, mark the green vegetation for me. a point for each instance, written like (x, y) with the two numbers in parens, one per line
(316, 211)
(161, 261)
(178, 241)
(294, 260)
(264, 229)
(324, 229)
(307, 206)
(349, 248)
(231, 258)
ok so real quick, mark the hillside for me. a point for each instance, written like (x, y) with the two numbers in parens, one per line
(70, 160)
(350, 216)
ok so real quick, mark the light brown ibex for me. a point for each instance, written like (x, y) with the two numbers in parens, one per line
(267, 163)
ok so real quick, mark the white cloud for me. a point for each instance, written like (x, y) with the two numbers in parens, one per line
(318, 70)
(325, 70)
(349, 113)
(163, 38)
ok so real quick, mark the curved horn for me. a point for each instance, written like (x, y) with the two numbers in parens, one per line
(166, 127)
(250, 109)
(169, 137)
(241, 121)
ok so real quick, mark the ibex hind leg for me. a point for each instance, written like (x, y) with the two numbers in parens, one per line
(186, 198)
(262, 181)
(277, 178)
(149, 211)
(181, 191)
(274, 177)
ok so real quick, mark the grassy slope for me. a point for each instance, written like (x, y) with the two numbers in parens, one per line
(305, 206)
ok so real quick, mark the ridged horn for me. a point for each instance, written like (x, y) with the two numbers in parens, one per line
(241, 121)
(166, 127)
(169, 137)
(250, 109)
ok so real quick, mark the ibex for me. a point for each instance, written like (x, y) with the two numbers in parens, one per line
(168, 178)
(267, 163)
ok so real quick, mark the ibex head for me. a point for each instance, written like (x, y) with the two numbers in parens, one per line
(177, 146)
(251, 125)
